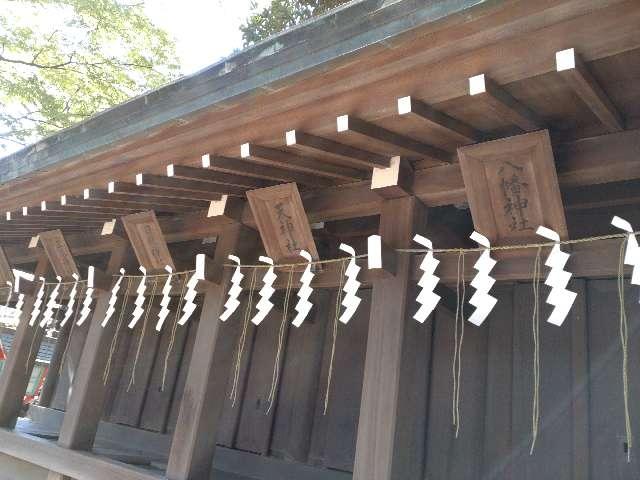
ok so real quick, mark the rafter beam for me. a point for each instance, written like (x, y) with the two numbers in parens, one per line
(216, 178)
(359, 157)
(292, 161)
(142, 202)
(187, 185)
(576, 74)
(412, 107)
(64, 208)
(504, 104)
(348, 124)
(116, 188)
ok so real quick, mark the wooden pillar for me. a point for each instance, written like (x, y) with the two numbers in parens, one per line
(53, 373)
(390, 443)
(20, 360)
(194, 439)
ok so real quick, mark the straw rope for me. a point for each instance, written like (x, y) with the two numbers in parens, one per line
(535, 325)
(457, 350)
(132, 379)
(624, 341)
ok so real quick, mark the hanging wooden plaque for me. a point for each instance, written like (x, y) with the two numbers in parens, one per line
(282, 222)
(148, 241)
(6, 274)
(512, 187)
(59, 254)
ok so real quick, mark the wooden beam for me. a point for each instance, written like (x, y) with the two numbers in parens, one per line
(77, 201)
(175, 184)
(21, 359)
(292, 161)
(504, 104)
(79, 211)
(148, 242)
(194, 440)
(215, 177)
(37, 212)
(59, 255)
(143, 202)
(412, 107)
(579, 78)
(116, 188)
(390, 441)
(249, 168)
(395, 181)
(359, 157)
(348, 124)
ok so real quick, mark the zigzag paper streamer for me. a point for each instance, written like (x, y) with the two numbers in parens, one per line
(140, 299)
(35, 312)
(189, 305)
(558, 278)
(88, 298)
(427, 298)
(9, 294)
(632, 250)
(166, 299)
(52, 303)
(265, 305)
(351, 286)
(113, 299)
(232, 302)
(72, 301)
(17, 275)
(482, 282)
(303, 307)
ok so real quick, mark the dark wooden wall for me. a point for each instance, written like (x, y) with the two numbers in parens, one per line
(582, 423)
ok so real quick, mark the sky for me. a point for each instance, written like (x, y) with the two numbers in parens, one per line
(204, 30)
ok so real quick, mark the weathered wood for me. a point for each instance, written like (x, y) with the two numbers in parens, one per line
(117, 188)
(394, 181)
(172, 183)
(142, 202)
(194, 438)
(192, 327)
(215, 177)
(59, 255)
(147, 240)
(512, 188)
(384, 449)
(20, 360)
(579, 78)
(53, 373)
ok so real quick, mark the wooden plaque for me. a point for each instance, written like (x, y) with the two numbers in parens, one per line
(282, 222)
(148, 241)
(512, 187)
(6, 274)
(58, 253)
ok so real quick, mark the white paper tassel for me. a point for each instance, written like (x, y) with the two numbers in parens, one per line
(88, 297)
(427, 298)
(351, 286)
(8, 299)
(17, 276)
(235, 290)
(140, 299)
(52, 303)
(558, 278)
(482, 282)
(35, 312)
(632, 251)
(71, 302)
(113, 299)
(264, 305)
(189, 305)
(303, 307)
(166, 299)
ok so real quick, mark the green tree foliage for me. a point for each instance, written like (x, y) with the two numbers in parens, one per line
(280, 15)
(64, 60)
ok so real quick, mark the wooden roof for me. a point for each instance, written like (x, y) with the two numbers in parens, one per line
(357, 62)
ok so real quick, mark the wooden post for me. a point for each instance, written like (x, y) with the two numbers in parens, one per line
(390, 443)
(17, 370)
(194, 439)
(53, 373)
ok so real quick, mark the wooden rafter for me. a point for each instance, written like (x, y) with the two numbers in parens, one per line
(350, 125)
(504, 104)
(142, 202)
(215, 177)
(412, 107)
(279, 158)
(359, 157)
(64, 208)
(197, 187)
(576, 74)
(116, 188)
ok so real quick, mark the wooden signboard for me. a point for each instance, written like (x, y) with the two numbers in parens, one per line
(6, 274)
(512, 187)
(58, 253)
(148, 241)
(282, 222)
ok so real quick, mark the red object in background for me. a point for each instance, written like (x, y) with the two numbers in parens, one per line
(3, 356)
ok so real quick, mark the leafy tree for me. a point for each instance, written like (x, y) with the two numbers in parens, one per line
(280, 15)
(64, 60)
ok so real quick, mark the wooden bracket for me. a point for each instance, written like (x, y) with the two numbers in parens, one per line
(59, 255)
(148, 241)
(395, 181)
(382, 259)
(227, 207)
